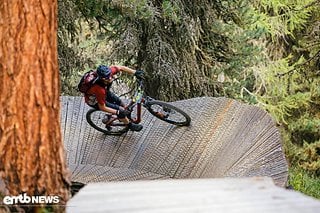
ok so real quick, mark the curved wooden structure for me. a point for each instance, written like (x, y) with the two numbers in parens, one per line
(226, 139)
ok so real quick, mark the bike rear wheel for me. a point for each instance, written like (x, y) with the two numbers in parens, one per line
(168, 113)
(96, 118)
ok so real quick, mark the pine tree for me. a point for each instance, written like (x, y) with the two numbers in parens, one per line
(32, 152)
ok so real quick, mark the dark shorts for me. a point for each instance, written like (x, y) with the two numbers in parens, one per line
(112, 101)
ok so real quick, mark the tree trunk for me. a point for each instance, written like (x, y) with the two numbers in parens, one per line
(31, 149)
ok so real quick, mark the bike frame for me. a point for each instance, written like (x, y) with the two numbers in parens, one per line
(137, 100)
(137, 119)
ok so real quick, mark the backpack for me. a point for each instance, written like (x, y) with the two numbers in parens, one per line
(87, 81)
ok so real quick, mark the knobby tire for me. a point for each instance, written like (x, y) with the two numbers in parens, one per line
(186, 118)
(97, 124)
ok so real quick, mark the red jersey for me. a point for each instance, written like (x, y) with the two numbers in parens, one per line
(97, 93)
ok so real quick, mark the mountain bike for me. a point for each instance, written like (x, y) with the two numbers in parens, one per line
(110, 124)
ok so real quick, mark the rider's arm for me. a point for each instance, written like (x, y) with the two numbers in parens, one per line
(125, 69)
(100, 94)
(104, 108)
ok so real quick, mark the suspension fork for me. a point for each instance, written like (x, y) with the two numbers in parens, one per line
(138, 118)
(139, 106)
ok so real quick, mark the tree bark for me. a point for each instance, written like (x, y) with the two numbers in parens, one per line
(31, 149)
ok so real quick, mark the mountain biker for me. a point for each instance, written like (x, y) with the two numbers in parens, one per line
(100, 97)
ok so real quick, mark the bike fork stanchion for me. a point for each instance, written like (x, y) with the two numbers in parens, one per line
(138, 118)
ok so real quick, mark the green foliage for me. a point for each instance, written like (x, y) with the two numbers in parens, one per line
(278, 18)
(293, 99)
(305, 129)
(287, 83)
(141, 9)
(304, 182)
(170, 11)
(309, 157)
(281, 95)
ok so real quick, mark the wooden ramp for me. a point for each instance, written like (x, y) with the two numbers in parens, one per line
(225, 139)
(225, 195)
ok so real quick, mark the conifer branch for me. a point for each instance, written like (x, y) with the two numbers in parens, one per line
(308, 5)
(298, 65)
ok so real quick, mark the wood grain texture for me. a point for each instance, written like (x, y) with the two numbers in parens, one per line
(225, 139)
(219, 195)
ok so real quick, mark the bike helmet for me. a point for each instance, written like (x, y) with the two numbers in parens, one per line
(104, 71)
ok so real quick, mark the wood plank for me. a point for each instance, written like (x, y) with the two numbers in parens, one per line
(225, 139)
(225, 195)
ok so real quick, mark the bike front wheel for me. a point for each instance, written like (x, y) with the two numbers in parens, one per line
(103, 123)
(168, 113)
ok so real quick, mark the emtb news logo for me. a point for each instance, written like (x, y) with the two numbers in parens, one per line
(25, 199)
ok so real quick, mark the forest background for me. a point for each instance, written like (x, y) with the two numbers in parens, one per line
(265, 53)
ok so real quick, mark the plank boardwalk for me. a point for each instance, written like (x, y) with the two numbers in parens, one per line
(219, 195)
(225, 139)
(229, 160)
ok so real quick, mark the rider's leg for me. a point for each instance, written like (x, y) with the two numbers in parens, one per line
(132, 126)
(112, 104)
(114, 99)
(124, 120)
